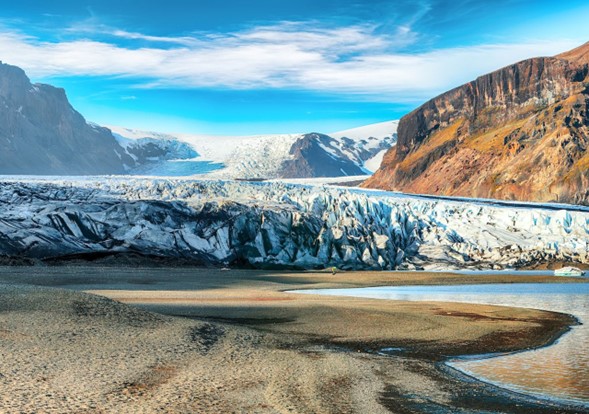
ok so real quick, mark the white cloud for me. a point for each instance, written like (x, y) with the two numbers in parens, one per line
(349, 60)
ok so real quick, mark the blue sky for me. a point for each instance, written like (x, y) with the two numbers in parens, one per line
(273, 66)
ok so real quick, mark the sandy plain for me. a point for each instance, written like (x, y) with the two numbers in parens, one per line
(77, 339)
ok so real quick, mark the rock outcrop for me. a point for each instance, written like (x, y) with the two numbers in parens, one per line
(520, 133)
(40, 132)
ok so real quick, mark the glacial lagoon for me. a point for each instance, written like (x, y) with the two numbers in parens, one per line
(559, 371)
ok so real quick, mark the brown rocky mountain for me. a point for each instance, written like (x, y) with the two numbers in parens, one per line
(519, 133)
(40, 132)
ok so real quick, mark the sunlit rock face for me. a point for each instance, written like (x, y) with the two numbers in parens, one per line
(278, 225)
(520, 133)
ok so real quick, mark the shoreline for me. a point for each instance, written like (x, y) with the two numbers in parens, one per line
(446, 363)
(314, 332)
(524, 395)
(505, 388)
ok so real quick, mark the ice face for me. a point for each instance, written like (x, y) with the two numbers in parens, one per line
(278, 224)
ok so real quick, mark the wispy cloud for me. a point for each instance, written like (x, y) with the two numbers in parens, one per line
(139, 36)
(347, 60)
(92, 26)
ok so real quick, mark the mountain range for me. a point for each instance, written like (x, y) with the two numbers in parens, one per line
(42, 134)
(519, 133)
(345, 153)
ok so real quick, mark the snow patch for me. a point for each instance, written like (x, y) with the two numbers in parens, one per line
(379, 131)
(374, 163)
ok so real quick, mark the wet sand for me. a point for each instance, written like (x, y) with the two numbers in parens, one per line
(245, 345)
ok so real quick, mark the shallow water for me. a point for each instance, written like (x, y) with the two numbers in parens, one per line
(559, 371)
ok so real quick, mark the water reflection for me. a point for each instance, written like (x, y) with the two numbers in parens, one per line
(560, 371)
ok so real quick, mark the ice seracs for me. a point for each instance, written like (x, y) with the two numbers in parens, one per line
(569, 271)
(280, 225)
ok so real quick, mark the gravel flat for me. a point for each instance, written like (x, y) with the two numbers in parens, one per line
(243, 345)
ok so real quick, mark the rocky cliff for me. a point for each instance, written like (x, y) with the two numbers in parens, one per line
(520, 133)
(40, 132)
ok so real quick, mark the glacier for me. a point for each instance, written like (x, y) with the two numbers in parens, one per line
(257, 156)
(279, 225)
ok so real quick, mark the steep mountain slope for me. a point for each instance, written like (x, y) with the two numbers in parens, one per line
(518, 133)
(276, 156)
(40, 133)
(579, 55)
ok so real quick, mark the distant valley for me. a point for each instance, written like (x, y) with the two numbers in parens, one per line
(353, 152)
(42, 134)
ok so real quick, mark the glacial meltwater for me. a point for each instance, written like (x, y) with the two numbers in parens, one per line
(559, 371)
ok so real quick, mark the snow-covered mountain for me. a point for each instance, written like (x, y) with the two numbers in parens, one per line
(155, 149)
(278, 224)
(379, 137)
(346, 153)
(372, 132)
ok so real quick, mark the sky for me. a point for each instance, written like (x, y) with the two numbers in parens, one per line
(235, 67)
